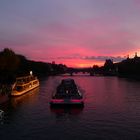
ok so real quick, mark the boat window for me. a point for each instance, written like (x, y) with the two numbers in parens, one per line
(19, 88)
(35, 82)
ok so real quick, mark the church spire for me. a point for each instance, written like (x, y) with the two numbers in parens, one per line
(136, 55)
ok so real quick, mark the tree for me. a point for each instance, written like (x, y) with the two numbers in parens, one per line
(108, 65)
(8, 62)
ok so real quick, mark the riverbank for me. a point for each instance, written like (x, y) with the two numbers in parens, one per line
(5, 91)
(3, 98)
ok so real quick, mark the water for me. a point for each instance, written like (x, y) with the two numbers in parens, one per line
(111, 112)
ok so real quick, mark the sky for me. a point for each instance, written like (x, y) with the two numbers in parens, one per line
(78, 33)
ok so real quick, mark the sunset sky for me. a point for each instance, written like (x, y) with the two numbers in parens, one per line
(77, 33)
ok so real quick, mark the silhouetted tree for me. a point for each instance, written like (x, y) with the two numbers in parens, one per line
(96, 68)
(8, 60)
(108, 65)
(8, 65)
(13, 65)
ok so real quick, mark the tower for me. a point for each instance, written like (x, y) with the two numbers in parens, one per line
(136, 55)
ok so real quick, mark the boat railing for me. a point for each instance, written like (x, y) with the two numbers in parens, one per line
(26, 79)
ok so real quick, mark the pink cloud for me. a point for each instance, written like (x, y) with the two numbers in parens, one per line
(87, 37)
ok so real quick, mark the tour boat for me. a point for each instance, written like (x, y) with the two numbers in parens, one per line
(67, 93)
(24, 84)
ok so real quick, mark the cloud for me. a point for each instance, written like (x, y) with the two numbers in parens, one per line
(81, 31)
(95, 58)
(103, 58)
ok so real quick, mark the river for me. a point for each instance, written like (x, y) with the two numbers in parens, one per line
(111, 112)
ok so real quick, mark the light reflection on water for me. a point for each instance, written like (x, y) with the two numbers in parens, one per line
(111, 111)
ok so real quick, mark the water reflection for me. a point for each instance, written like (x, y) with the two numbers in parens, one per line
(27, 97)
(66, 110)
(18, 105)
(111, 111)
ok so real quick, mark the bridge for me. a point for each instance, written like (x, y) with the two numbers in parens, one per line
(73, 71)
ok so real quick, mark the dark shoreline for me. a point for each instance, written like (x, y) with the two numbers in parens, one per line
(3, 98)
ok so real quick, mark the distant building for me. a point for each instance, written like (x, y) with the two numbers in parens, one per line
(128, 56)
(136, 55)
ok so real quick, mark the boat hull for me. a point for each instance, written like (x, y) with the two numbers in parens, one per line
(16, 93)
(67, 94)
(67, 102)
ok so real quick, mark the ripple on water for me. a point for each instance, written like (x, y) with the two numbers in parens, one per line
(111, 111)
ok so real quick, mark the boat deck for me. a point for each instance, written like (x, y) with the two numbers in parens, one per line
(67, 94)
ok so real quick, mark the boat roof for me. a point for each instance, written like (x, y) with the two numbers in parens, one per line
(68, 81)
(24, 77)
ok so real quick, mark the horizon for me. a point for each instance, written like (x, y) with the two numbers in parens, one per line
(78, 33)
(76, 67)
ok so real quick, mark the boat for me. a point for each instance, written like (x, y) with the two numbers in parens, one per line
(1, 114)
(5, 91)
(67, 93)
(24, 84)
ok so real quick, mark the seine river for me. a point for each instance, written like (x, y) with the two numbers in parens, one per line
(111, 112)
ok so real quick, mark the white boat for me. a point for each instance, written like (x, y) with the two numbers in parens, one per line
(24, 84)
(1, 114)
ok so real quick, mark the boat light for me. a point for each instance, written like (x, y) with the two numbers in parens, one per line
(31, 72)
(57, 100)
(76, 100)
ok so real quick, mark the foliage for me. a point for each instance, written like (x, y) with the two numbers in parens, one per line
(9, 61)
(13, 65)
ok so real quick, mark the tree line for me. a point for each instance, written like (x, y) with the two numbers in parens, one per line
(13, 65)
